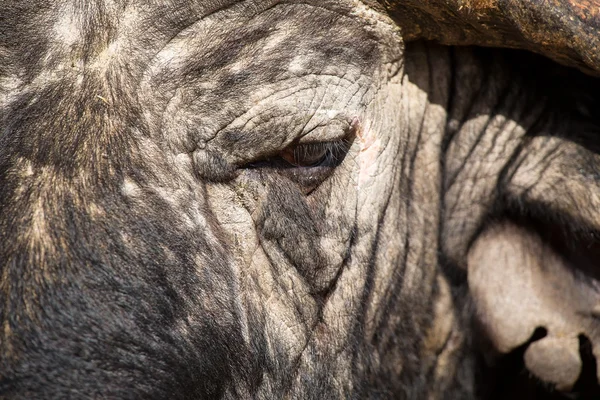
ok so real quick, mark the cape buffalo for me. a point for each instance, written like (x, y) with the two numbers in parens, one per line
(299, 199)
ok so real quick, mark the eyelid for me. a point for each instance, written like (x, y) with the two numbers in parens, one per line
(306, 155)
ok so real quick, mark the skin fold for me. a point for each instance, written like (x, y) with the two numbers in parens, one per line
(154, 243)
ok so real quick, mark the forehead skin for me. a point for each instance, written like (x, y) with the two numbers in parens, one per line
(192, 73)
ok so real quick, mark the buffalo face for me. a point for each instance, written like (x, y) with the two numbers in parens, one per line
(214, 199)
(239, 199)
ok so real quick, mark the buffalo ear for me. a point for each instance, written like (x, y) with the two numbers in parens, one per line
(521, 283)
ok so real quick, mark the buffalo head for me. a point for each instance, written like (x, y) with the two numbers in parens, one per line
(298, 199)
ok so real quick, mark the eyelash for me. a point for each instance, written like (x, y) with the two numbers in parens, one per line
(324, 154)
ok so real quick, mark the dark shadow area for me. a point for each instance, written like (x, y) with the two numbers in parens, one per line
(505, 377)
(586, 387)
(508, 378)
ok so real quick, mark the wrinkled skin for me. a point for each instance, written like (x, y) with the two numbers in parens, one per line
(155, 245)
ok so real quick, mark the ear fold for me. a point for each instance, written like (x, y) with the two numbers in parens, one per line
(519, 283)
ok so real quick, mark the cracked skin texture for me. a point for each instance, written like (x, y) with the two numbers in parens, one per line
(564, 30)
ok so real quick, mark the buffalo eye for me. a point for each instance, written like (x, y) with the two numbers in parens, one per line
(305, 155)
(314, 154)
(306, 164)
